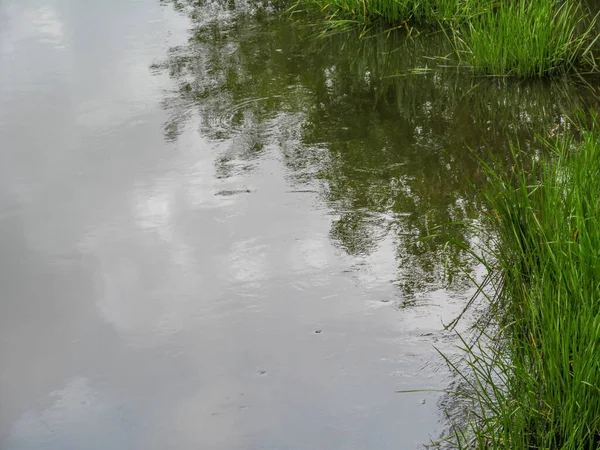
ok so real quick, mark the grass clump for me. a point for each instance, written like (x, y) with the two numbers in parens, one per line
(527, 38)
(536, 384)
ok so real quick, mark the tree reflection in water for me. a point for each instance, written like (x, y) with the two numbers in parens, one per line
(387, 143)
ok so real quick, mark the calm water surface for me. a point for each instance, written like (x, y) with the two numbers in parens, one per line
(210, 223)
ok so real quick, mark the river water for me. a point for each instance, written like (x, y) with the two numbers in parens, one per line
(210, 223)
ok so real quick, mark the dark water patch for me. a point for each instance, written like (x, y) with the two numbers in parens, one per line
(228, 192)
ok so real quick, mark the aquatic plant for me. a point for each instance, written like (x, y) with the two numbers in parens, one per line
(535, 382)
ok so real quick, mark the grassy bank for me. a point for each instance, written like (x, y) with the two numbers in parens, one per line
(537, 385)
(525, 38)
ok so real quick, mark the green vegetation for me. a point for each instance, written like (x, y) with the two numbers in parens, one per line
(525, 38)
(535, 384)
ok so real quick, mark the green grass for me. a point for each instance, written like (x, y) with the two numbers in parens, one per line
(527, 38)
(535, 383)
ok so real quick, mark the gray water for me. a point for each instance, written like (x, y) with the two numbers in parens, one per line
(209, 227)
